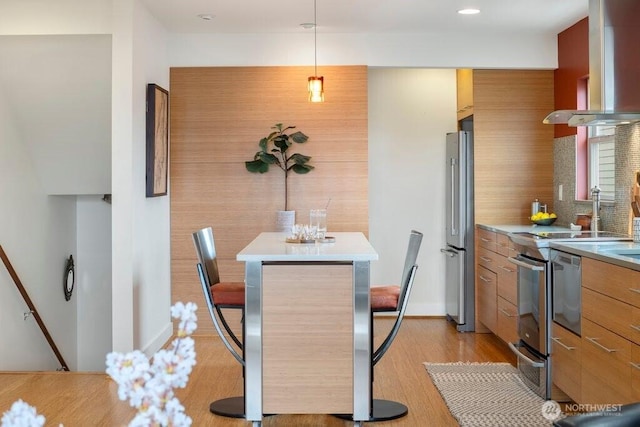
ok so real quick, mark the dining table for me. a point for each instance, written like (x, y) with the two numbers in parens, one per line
(308, 335)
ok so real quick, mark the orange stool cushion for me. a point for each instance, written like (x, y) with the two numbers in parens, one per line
(228, 293)
(385, 298)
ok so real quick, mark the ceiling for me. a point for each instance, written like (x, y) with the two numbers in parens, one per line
(367, 16)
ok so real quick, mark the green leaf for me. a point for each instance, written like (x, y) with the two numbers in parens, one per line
(301, 169)
(282, 142)
(263, 144)
(299, 137)
(269, 159)
(257, 166)
(299, 159)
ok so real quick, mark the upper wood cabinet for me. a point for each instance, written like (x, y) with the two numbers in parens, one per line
(464, 80)
(513, 149)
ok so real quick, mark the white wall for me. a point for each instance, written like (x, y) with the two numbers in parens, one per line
(141, 291)
(452, 50)
(152, 237)
(93, 282)
(37, 232)
(410, 111)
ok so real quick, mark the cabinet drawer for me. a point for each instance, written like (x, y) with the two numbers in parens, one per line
(608, 312)
(617, 282)
(488, 259)
(507, 320)
(486, 293)
(486, 239)
(606, 367)
(507, 280)
(635, 372)
(567, 362)
(503, 244)
(634, 326)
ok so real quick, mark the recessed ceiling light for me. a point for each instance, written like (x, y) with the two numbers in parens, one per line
(206, 16)
(308, 25)
(469, 11)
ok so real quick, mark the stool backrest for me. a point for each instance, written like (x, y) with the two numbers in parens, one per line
(206, 251)
(408, 275)
(415, 240)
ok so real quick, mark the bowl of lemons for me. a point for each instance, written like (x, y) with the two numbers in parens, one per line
(544, 218)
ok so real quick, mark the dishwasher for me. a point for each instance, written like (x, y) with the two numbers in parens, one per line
(566, 280)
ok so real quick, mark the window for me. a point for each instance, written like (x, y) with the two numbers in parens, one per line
(601, 145)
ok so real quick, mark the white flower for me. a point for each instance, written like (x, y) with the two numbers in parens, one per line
(148, 385)
(22, 414)
(187, 315)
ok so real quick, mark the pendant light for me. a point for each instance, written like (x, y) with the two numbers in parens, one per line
(316, 83)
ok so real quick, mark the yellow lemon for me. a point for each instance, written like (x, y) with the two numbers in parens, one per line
(553, 215)
(545, 215)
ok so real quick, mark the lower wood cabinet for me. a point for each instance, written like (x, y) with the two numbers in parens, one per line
(486, 289)
(606, 366)
(567, 361)
(496, 285)
(635, 372)
(507, 320)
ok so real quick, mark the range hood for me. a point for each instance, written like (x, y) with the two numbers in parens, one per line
(614, 67)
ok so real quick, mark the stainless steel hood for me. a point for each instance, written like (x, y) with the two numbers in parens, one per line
(614, 67)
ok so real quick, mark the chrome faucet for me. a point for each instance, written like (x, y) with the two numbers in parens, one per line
(595, 216)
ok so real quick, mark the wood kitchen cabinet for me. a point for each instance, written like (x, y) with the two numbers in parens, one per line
(610, 371)
(464, 89)
(567, 361)
(486, 290)
(496, 285)
(508, 107)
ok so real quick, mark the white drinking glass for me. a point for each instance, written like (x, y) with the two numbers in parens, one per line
(318, 219)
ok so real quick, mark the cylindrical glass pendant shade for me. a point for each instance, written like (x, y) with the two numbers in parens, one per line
(316, 89)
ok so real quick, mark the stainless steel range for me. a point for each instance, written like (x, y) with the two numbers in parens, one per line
(535, 303)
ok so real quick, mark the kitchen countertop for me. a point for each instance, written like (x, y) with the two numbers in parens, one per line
(272, 246)
(603, 251)
(506, 229)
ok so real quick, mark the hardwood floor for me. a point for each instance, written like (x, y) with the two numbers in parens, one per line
(90, 399)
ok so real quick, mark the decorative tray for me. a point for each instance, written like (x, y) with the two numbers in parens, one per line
(327, 239)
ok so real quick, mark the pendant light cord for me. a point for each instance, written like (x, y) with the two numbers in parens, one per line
(315, 38)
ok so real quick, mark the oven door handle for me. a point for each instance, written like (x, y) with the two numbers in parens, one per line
(531, 362)
(526, 264)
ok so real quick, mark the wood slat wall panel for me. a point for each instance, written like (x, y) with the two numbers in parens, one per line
(217, 117)
(513, 149)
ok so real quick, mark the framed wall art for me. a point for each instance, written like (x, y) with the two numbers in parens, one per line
(157, 140)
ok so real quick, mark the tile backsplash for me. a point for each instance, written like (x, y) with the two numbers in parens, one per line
(614, 216)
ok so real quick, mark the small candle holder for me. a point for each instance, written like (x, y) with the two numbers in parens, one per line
(303, 233)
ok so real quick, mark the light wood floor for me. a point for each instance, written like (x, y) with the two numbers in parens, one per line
(90, 399)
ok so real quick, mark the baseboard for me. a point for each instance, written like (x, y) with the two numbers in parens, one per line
(410, 316)
(159, 341)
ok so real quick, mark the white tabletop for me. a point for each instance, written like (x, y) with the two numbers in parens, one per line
(272, 246)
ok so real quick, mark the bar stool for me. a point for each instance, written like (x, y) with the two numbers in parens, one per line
(219, 296)
(392, 298)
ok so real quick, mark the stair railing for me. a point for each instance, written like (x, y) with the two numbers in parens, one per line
(33, 309)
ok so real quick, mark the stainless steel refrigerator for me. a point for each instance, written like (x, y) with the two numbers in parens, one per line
(459, 253)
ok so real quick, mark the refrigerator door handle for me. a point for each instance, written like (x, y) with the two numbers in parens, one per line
(454, 231)
(449, 252)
